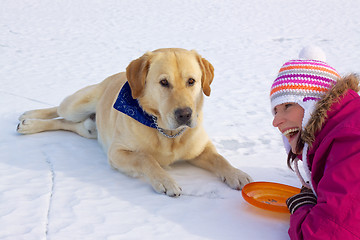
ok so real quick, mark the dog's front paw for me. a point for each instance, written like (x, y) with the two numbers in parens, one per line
(167, 186)
(236, 178)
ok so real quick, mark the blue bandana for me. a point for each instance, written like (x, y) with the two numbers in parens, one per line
(129, 106)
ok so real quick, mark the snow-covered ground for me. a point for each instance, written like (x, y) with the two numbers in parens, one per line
(58, 185)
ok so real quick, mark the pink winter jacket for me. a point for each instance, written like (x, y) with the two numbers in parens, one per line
(334, 162)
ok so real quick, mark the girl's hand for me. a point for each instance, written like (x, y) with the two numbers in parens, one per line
(306, 196)
(305, 189)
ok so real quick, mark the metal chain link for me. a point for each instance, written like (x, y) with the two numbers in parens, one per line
(162, 131)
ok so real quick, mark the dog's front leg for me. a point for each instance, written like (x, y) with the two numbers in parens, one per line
(135, 163)
(212, 161)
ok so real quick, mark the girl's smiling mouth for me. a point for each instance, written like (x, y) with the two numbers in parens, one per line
(290, 133)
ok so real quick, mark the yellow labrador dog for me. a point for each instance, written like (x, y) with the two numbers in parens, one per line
(145, 118)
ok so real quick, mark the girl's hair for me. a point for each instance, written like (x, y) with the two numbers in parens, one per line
(291, 155)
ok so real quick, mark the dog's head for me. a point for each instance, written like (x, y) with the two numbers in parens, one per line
(168, 84)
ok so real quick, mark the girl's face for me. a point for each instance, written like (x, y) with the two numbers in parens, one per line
(288, 119)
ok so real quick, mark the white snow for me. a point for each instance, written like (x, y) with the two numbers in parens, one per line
(58, 185)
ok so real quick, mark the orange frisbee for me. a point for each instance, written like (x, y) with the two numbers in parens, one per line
(268, 195)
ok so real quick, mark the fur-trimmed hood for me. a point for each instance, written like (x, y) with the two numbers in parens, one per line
(319, 116)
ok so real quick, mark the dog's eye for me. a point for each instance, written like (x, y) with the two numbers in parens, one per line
(191, 81)
(164, 83)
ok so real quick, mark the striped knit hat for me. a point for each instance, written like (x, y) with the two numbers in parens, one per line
(303, 81)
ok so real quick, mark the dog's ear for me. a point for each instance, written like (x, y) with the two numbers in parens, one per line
(207, 74)
(136, 73)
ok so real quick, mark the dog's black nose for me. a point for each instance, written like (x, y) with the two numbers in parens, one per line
(183, 115)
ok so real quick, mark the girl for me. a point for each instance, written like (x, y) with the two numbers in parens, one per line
(318, 114)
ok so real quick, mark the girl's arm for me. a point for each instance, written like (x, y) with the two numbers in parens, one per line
(337, 212)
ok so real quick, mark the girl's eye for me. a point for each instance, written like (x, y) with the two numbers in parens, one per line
(191, 81)
(288, 105)
(164, 83)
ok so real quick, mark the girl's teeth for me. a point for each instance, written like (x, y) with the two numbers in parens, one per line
(291, 132)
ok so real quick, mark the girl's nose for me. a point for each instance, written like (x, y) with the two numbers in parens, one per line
(278, 119)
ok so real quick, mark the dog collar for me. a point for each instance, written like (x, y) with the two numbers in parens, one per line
(126, 104)
(129, 106)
